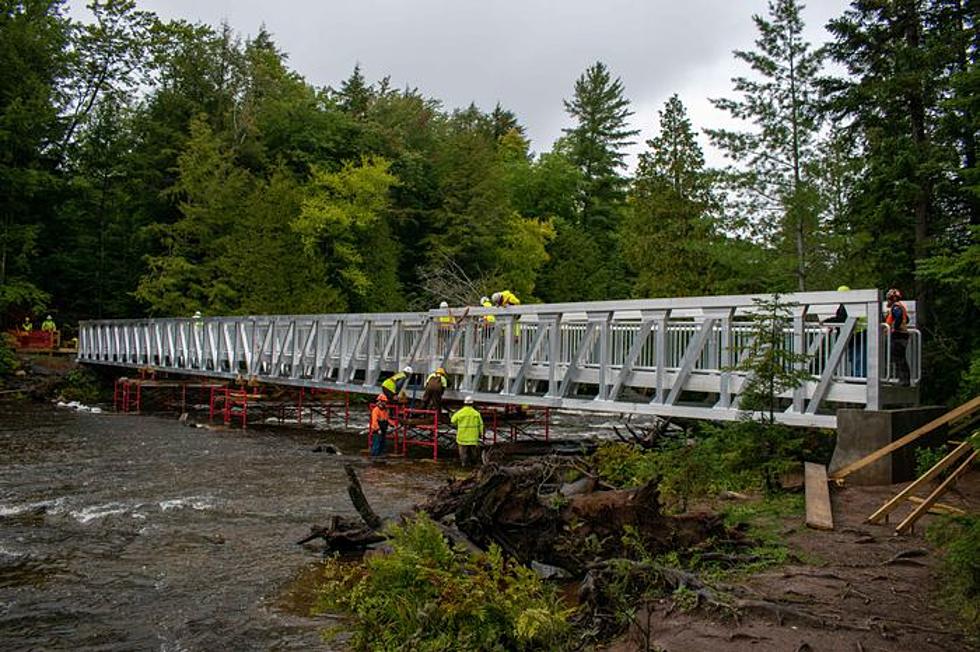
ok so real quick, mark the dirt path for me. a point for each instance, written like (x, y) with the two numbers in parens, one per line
(849, 591)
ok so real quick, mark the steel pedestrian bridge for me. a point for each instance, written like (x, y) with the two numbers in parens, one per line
(666, 357)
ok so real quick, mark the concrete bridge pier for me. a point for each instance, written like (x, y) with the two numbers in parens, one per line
(861, 432)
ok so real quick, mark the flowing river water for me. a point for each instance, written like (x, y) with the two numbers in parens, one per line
(140, 533)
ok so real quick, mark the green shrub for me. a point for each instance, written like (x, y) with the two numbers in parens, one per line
(753, 454)
(80, 384)
(926, 458)
(959, 538)
(739, 455)
(8, 360)
(429, 597)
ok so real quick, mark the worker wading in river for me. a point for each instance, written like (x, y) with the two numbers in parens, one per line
(378, 429)
(435, 385)
(469, 432)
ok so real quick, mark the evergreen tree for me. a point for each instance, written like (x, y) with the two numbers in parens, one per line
(777, 159)
(34, 38)
(597, 143)
(901, 107)
(667, 233)
(355, 94)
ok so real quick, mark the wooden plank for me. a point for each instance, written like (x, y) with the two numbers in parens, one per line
(938, 468)
(966, 409)
(937, 508)
(818, 512)
(934, 496)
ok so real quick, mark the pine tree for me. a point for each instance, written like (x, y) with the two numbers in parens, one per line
(667, 233)
(901, 106)
(355, 94)
(776, 159)
(597, 144)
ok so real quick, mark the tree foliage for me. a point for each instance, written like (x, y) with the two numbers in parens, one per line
(152, 166)
(777, 160)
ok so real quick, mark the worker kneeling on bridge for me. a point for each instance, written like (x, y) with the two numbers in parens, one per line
(504, 298)
(435, 385)
(469, 432)
(393, 385)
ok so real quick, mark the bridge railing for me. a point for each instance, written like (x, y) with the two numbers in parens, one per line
(662, 356)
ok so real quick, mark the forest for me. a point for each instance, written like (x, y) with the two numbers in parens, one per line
(152, 167)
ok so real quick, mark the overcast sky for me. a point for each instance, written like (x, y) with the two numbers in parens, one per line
(526, 54)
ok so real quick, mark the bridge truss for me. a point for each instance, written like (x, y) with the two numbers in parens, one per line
(667, 357)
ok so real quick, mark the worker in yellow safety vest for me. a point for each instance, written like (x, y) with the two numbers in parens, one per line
(27, 326)
(469, 432)
(48, 325)
(504, 298)
(485, 303)
(393, 384)
(446, 321)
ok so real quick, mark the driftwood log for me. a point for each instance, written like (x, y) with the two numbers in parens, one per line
(343, 534)
(533, 514)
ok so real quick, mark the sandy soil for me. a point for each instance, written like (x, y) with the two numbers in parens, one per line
(844, 594)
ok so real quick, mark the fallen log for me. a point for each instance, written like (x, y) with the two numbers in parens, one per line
(361, 504)
(344, 534)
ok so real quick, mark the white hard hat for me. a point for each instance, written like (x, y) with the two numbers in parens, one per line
(444, 304)
(468, 400)
(495, 297)
(197, 313)
(408, 370)
(484, 299)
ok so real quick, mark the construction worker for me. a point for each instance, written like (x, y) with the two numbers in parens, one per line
(28, 325)
(48, 325)
(378, 429)
(469, 432)
(504, 298)
(485, 303)
(855, 358)
(897, 319)
(446, 321)
(392, 386)
(435, 385)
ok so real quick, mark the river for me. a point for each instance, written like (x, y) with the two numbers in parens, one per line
(126, 532)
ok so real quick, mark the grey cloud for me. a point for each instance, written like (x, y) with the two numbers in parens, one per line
(526, 55)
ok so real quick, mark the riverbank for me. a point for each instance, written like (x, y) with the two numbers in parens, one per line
(857, 587)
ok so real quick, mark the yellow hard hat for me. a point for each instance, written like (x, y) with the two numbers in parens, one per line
(843, 288)
(441, 371)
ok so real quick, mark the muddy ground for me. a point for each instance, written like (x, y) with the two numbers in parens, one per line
(846, 594)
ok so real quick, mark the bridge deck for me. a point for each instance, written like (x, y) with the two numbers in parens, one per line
(667, 357)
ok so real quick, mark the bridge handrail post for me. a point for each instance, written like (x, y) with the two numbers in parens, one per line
(873, 381)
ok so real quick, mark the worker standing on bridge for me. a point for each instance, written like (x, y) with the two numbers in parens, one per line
(28, 325)
(435, 385)
(897, 319)
(469, 432)
(48, 325)
(393, 385)
(378, 429)
(485, 303)
(446, 321)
